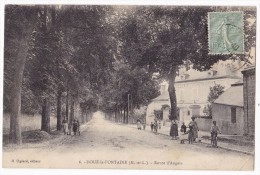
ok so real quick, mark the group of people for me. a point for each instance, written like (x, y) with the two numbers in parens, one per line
(68, 128)
(192, 131)
(140, 125)
(155, 126)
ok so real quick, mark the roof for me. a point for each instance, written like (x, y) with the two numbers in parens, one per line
(208, 78)
(232, 97)
(163, 97)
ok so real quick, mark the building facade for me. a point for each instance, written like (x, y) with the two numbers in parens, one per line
(228, 111)
(192, 90)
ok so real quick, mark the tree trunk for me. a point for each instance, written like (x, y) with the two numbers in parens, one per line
(67, 105)
(124, 116)
(72, 110)
(46, 112)
(59, 116)
(15, 135)
(172, 94)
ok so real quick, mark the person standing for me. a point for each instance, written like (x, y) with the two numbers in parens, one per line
(78, 128)
(195, 128)
(65, 127)
(139, 126)
(174, 130)
(75, 127)
(190, 133)
(144, 125)
(152, 126)
(183, 127)
(214, 130)
(155, 126)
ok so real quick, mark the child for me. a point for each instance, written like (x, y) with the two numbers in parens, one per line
(214, 130)
(139, 125)
(190, 135)
(183, 127)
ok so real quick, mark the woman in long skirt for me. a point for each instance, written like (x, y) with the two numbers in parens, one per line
(174, 130)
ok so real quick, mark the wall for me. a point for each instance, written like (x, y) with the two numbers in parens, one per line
(249, 101)
(222, 115)
(204, 124)
(155, 105)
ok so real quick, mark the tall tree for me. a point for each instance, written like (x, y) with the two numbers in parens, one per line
(20, 21)
(163, 39)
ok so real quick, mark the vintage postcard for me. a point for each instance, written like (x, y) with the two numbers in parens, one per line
(143, 87)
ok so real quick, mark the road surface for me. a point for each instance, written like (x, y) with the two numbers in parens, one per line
(104, 144)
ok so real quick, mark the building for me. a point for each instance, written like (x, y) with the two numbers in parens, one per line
(228, 111)
(249, 100)
(192, 90)
(157, 104)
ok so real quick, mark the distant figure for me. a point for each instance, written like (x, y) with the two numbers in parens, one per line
(155, 126)
(214, 130)
(195, 128)
(190, 133)
(152, 126)
(174, 130)
(183, 127)
(78, 127)
(65, 127)
(160, 125)
(144, 125)
(139, 125)
(70, 128)
(75, 127)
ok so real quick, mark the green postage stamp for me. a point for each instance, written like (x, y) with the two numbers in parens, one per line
(226, 33)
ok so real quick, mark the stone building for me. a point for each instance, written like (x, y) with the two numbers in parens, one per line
(192, 90)
(228, 112)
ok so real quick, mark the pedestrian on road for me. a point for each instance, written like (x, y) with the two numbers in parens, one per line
(152, 126)
(65, 127)
(70, 128)
(174, 130)
(195, 128)
(155, 126)
(75, 127)
(78, 127)
(139, 125)
(159, 125)
(183, 127)
(190, 133)
(214, 130)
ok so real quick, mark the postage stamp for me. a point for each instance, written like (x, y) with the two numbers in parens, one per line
(226, 33)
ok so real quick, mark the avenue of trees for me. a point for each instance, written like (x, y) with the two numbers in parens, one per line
(65, 58)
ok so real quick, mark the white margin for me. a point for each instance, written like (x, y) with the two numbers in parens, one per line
(256, 3)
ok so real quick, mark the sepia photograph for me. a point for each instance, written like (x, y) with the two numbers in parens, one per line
(143, 87)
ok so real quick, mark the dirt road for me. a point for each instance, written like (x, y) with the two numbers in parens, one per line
(104, 144)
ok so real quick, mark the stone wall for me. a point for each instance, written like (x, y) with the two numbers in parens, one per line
(204, 124)
(222, 115)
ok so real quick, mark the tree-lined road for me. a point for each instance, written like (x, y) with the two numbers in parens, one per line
(104, 144)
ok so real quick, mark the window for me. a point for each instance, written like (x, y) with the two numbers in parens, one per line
(233, 115)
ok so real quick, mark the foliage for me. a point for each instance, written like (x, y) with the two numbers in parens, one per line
(214, 92)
